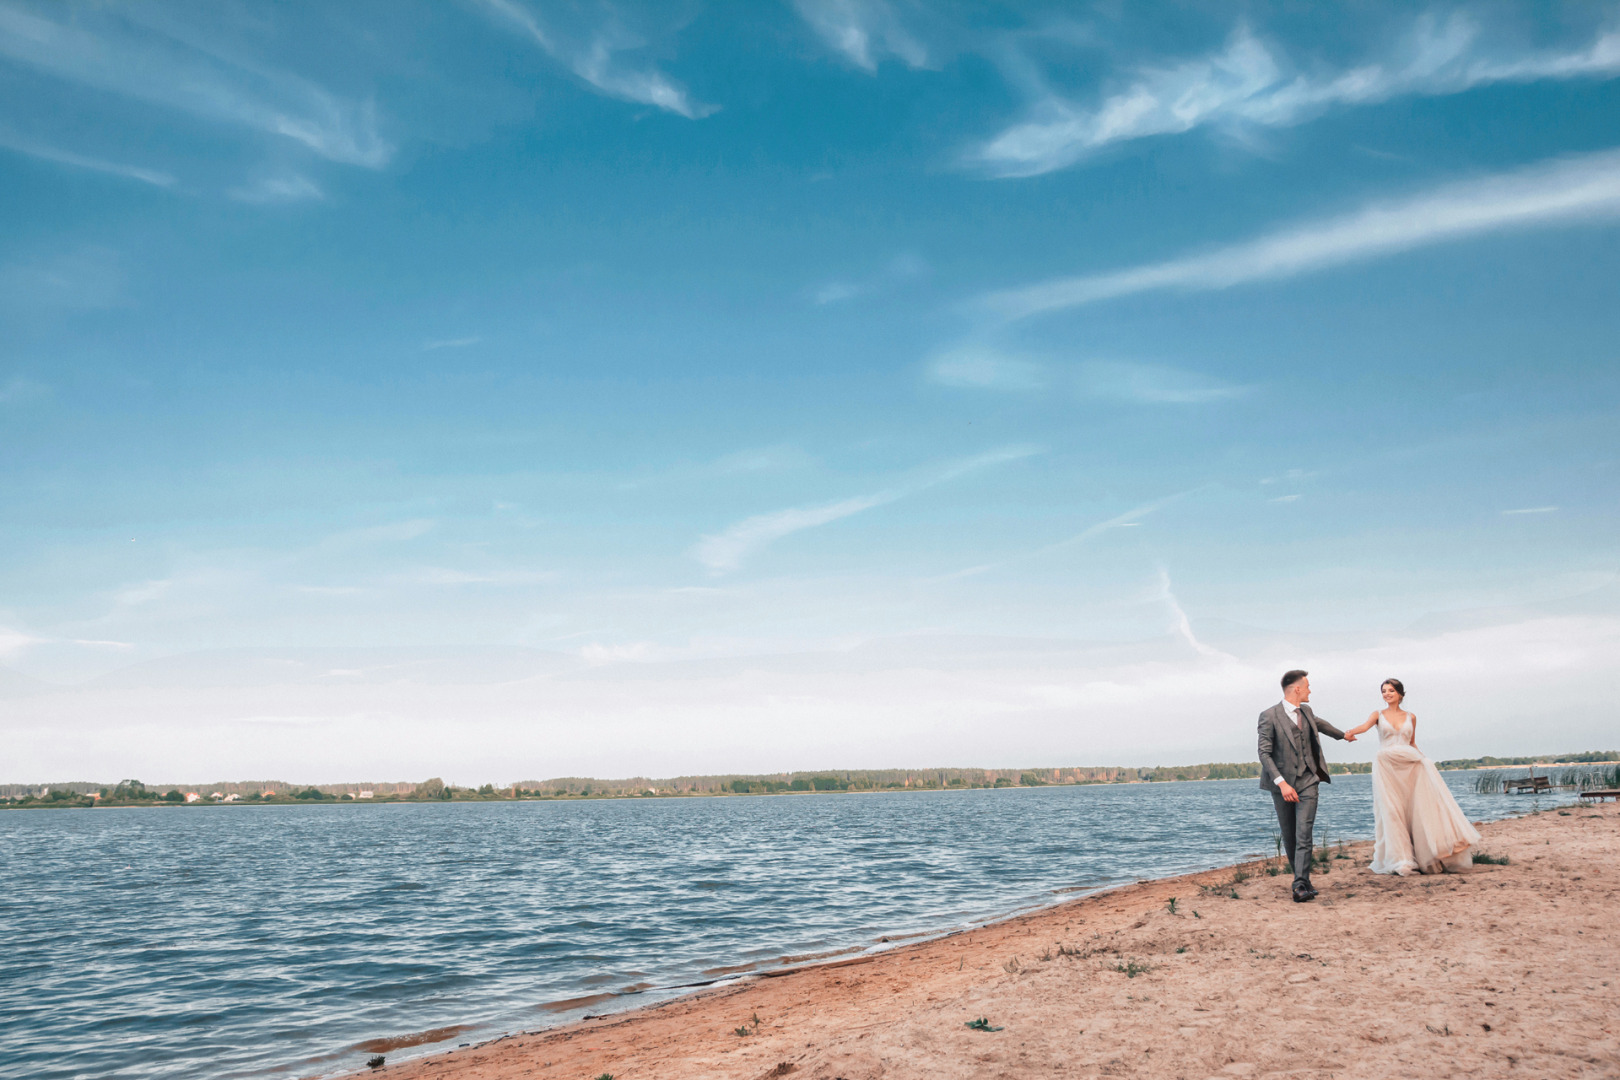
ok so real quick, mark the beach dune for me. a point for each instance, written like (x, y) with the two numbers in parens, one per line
(1510, 970)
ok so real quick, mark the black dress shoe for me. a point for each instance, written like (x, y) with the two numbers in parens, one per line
(1302, 893)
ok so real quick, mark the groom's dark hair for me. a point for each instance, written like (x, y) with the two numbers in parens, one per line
(1292, 677)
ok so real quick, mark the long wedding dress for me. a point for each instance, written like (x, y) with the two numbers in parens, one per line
(1417, 824)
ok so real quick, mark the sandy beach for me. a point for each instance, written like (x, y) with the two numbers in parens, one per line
(1504, 971)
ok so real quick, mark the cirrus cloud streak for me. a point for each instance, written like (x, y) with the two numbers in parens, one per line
(1556, 193)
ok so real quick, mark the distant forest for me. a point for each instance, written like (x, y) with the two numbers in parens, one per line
(135, 793)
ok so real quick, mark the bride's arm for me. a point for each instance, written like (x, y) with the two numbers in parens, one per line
(1371, 720)
(1411, 718)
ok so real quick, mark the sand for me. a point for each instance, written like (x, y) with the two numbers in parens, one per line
(1505, 971)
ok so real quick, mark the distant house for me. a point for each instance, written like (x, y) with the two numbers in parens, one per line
(192, 796)
(232, 797)
(216, 796)
(365, 795)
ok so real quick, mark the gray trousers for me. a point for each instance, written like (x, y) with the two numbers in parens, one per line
(1295, 819)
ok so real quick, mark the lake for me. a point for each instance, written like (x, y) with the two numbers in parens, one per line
(241, 941)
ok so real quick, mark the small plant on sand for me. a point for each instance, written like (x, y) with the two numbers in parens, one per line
(1012, 967)
(981, 1024)
(1182, 949)
(1240, 875)
(1196, 915)
(1491, 860)
(375, 1062)
(1172, 904)
(1132, 968)
(1047, 955)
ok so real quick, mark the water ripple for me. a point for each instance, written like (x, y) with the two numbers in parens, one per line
(245, 941)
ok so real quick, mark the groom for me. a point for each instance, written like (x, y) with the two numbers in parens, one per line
(1291, 766)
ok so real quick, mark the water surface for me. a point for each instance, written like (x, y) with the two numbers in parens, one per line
(251, 941)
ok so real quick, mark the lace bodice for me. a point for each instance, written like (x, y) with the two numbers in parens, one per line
(1389, 733)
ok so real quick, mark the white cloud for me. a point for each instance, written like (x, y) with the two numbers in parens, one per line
(144, 593)
(835, 292)
(283, 188)
(372, 535)
(15, 641)
(160, 70)
(1533, 510)
(1248, 84)
(1507, 685)
(44, 152)
(597, 63)
(451, 343)
(864, 31)
(726, 550)
(900, 269)
(1566, 190)
(441, 575)
(981, 367)
(1151, 384)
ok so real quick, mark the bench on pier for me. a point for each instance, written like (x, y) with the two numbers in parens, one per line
(1534, 784)
(1600, 795)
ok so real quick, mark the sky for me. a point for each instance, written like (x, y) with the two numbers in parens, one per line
(499, 389)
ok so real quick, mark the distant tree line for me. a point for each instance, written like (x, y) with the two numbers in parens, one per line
(435, 789)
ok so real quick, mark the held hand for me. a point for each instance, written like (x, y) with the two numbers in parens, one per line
(1349, 736)
(1288, 792)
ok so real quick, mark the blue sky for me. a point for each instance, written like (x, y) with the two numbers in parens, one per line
(499, 389)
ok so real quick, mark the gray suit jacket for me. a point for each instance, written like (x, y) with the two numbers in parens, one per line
(1292, 753)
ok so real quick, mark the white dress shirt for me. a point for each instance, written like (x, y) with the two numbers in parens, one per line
(1291, 711)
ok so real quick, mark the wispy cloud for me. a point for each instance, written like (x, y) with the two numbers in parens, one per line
(15, 641)
(369, 536)
(1532, 510)
(12, 141)
(118, 58)
(1566, 190)
(864, 31)
(1152, 384)
(1128, 520)
(1180, 624)
(1250, 84)
(451, 343)
(726, 550)
(597, 61)
(442, 575)
(901, 269)
(282, 188)
(979, 367)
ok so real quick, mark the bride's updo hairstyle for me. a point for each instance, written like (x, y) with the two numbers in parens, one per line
(1396, 683)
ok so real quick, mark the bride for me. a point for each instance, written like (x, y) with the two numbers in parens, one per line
(1417, 824)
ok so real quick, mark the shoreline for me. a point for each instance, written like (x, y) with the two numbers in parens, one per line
(904, 999)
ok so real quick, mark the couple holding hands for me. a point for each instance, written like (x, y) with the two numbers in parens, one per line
(1417, 823)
